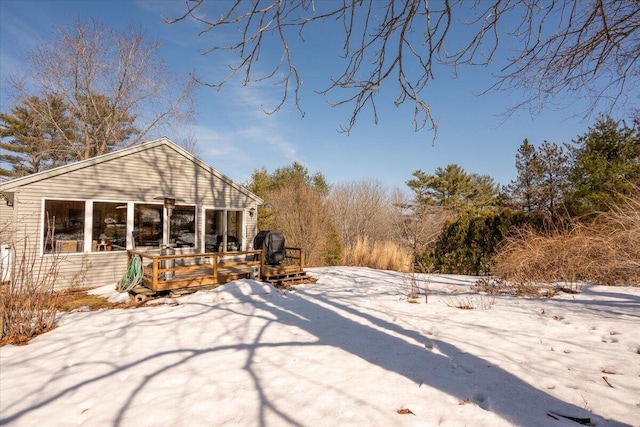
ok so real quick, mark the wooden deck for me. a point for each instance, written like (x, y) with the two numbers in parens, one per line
(207, 270)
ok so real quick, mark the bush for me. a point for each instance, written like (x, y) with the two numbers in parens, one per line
(469, 244)
(604, 251)
(28, 302)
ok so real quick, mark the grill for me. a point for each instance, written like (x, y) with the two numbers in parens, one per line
(272, 243)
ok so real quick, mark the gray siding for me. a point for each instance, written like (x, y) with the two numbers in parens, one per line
(137, 175)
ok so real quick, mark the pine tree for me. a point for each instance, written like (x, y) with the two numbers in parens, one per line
(453, 189)
(33, 137)
(524, 190)
(606, 166)
(552, 183)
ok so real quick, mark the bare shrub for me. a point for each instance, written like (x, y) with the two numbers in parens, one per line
(28, 302)
(603, 251)
(414, 283)
(470, 302)
(379, 255)
(524, 288)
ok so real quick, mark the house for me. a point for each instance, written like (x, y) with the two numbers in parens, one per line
(86, 215)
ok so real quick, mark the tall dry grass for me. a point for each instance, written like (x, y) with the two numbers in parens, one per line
(379, 255)
(603, 251)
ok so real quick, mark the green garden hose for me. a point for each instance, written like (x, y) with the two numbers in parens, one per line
(132, 277)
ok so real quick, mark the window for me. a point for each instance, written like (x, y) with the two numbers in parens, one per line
(234, 230)
(221, 225)
(183, 226)
(109, 230)
(63, 227)
(147, 225)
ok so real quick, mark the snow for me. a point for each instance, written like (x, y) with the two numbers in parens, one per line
(349, 350)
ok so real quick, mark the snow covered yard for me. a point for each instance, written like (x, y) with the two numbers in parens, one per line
(349, 350)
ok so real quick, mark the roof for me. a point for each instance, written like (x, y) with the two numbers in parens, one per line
(13, 184)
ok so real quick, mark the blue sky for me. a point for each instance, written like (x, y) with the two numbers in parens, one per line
(236, 137)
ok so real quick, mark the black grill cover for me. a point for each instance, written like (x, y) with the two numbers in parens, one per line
(272, 243)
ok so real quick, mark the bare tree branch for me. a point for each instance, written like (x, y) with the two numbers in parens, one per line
(112, 83)
(584, 48)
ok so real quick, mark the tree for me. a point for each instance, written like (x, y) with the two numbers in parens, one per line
(33, 142)
(542, 182)
(102, 125)
(111, 82)
(361, 209)
(552, 182)
(605, 166)
(417, 225)
(585, 48)
(523, 191)
(451, 188)
(296, 204)
(469, 244)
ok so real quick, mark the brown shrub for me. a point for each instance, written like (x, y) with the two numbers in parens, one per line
(603, 251)
(27, 302)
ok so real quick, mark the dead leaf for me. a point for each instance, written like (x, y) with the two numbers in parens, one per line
(405, 411)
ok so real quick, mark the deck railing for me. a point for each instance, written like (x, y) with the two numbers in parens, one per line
(294, 256)
(162, 272)
(171, 271)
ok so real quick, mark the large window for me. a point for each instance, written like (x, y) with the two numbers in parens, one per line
(109, 230)
(147, 225)
(183, 226)
(223, 230)
(63, 228)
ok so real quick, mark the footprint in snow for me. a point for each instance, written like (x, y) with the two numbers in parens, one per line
(482, 400)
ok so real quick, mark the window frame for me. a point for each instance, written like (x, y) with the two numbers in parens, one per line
(87, 240)
(43, 228)
(224, 214)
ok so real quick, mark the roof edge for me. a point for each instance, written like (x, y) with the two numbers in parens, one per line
(80, 164)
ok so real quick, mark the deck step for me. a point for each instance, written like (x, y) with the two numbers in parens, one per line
(289, 280)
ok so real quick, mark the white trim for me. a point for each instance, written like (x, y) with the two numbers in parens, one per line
(41, 236)
(129, 227)
(88, 227)
(225, 210)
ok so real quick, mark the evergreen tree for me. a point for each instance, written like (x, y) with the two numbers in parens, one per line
(468, 244)
(542, 181)
(33, 137)
(524, 190)
(298, 174)
(552, 183)
(453, 189)
(606, 165)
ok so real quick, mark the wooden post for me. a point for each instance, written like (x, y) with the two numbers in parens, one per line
(262, 270)
(214, 267)
(301, 259)
(154, 279)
